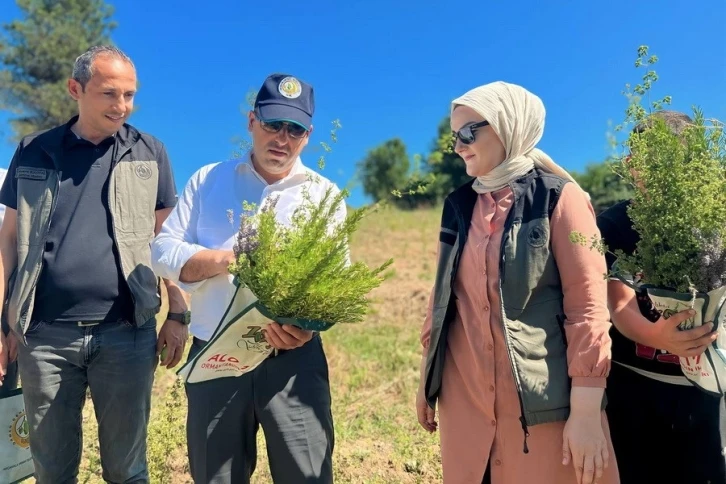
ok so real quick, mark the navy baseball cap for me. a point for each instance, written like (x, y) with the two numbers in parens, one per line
(283, 97)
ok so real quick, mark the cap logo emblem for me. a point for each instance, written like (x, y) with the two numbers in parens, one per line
(290, 88)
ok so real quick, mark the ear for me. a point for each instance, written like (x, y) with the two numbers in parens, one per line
(250, 120)
(306, 139)
(74, 89)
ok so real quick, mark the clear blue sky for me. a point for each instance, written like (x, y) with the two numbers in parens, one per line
(389, 69)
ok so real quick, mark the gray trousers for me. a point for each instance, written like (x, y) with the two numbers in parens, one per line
(288, 395)
(62, 360)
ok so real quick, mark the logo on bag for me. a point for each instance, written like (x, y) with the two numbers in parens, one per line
(19, 433)
(692, 367)
(254, 340)
(687, 324)
(223, 362)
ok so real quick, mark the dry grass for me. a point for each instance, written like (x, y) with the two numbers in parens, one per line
(373, 368)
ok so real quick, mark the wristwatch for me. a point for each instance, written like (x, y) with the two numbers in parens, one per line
(184, 318)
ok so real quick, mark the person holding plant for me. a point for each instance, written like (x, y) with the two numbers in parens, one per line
(656, 415)
(516, 345)
(288, 394)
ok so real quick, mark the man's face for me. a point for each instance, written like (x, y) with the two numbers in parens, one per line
(275, 152)
(108, 98)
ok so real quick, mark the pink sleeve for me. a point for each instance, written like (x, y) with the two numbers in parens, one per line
(582, 272)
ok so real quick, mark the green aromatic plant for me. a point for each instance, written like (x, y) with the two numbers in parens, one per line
(679, 202)
(678, 210)
(302, 270)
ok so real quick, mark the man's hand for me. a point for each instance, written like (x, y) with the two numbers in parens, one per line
(286, 336)
(8, 353)
(172, 338)
(665, 335)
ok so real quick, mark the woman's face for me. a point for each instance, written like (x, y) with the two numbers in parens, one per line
(486, 152)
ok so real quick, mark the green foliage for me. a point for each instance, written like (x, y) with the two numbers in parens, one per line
(303, 271)
(679, 202)
(604, 185)
(166, 433)
(37, 55)
(442, 172)
(384, 169)
(421, 189)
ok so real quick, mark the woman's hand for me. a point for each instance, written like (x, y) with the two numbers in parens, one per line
(426, 415)
(584, 443)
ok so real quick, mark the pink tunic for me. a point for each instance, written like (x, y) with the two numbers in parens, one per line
(478, 407)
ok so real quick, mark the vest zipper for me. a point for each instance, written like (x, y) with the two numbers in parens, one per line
(45, 238)
(517, 383)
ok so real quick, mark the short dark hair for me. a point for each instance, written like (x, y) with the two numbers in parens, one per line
(83, 67)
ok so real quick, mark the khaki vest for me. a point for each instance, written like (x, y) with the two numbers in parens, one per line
(132, 200)
(530, 291)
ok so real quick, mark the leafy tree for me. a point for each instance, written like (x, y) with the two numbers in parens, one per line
(604, 185)
(37, 54)
(384, 169)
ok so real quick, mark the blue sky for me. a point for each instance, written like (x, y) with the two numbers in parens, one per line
(389, 69)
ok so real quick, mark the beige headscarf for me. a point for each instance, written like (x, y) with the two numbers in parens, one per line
(518, 117)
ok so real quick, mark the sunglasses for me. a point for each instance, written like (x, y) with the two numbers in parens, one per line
(467, 134)
(293, 129)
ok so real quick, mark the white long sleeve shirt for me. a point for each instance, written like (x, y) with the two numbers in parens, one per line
(207, 216)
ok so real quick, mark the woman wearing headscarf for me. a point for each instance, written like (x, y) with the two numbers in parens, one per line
(516, 345)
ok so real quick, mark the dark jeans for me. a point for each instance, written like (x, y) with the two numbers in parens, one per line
(665, 433)
(61, 361)
(288, 395)
(10, 382)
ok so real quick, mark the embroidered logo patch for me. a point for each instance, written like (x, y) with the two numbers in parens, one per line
(143, 171)
(31, 173)
(537, 235)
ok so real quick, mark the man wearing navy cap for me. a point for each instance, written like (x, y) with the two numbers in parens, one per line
(289, 393)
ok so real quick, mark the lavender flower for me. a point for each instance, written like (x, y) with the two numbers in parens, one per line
(246, 241)
(271, 203)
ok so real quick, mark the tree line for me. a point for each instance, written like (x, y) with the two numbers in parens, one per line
(424, 181)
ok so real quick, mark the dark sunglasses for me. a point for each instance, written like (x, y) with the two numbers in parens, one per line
(293, 129)
(467, 134)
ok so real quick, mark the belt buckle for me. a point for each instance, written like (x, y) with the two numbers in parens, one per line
(84, 324)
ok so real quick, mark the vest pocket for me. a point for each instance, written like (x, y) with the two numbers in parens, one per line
(133, 198)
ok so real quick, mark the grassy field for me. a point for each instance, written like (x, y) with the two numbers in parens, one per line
(373, 370)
